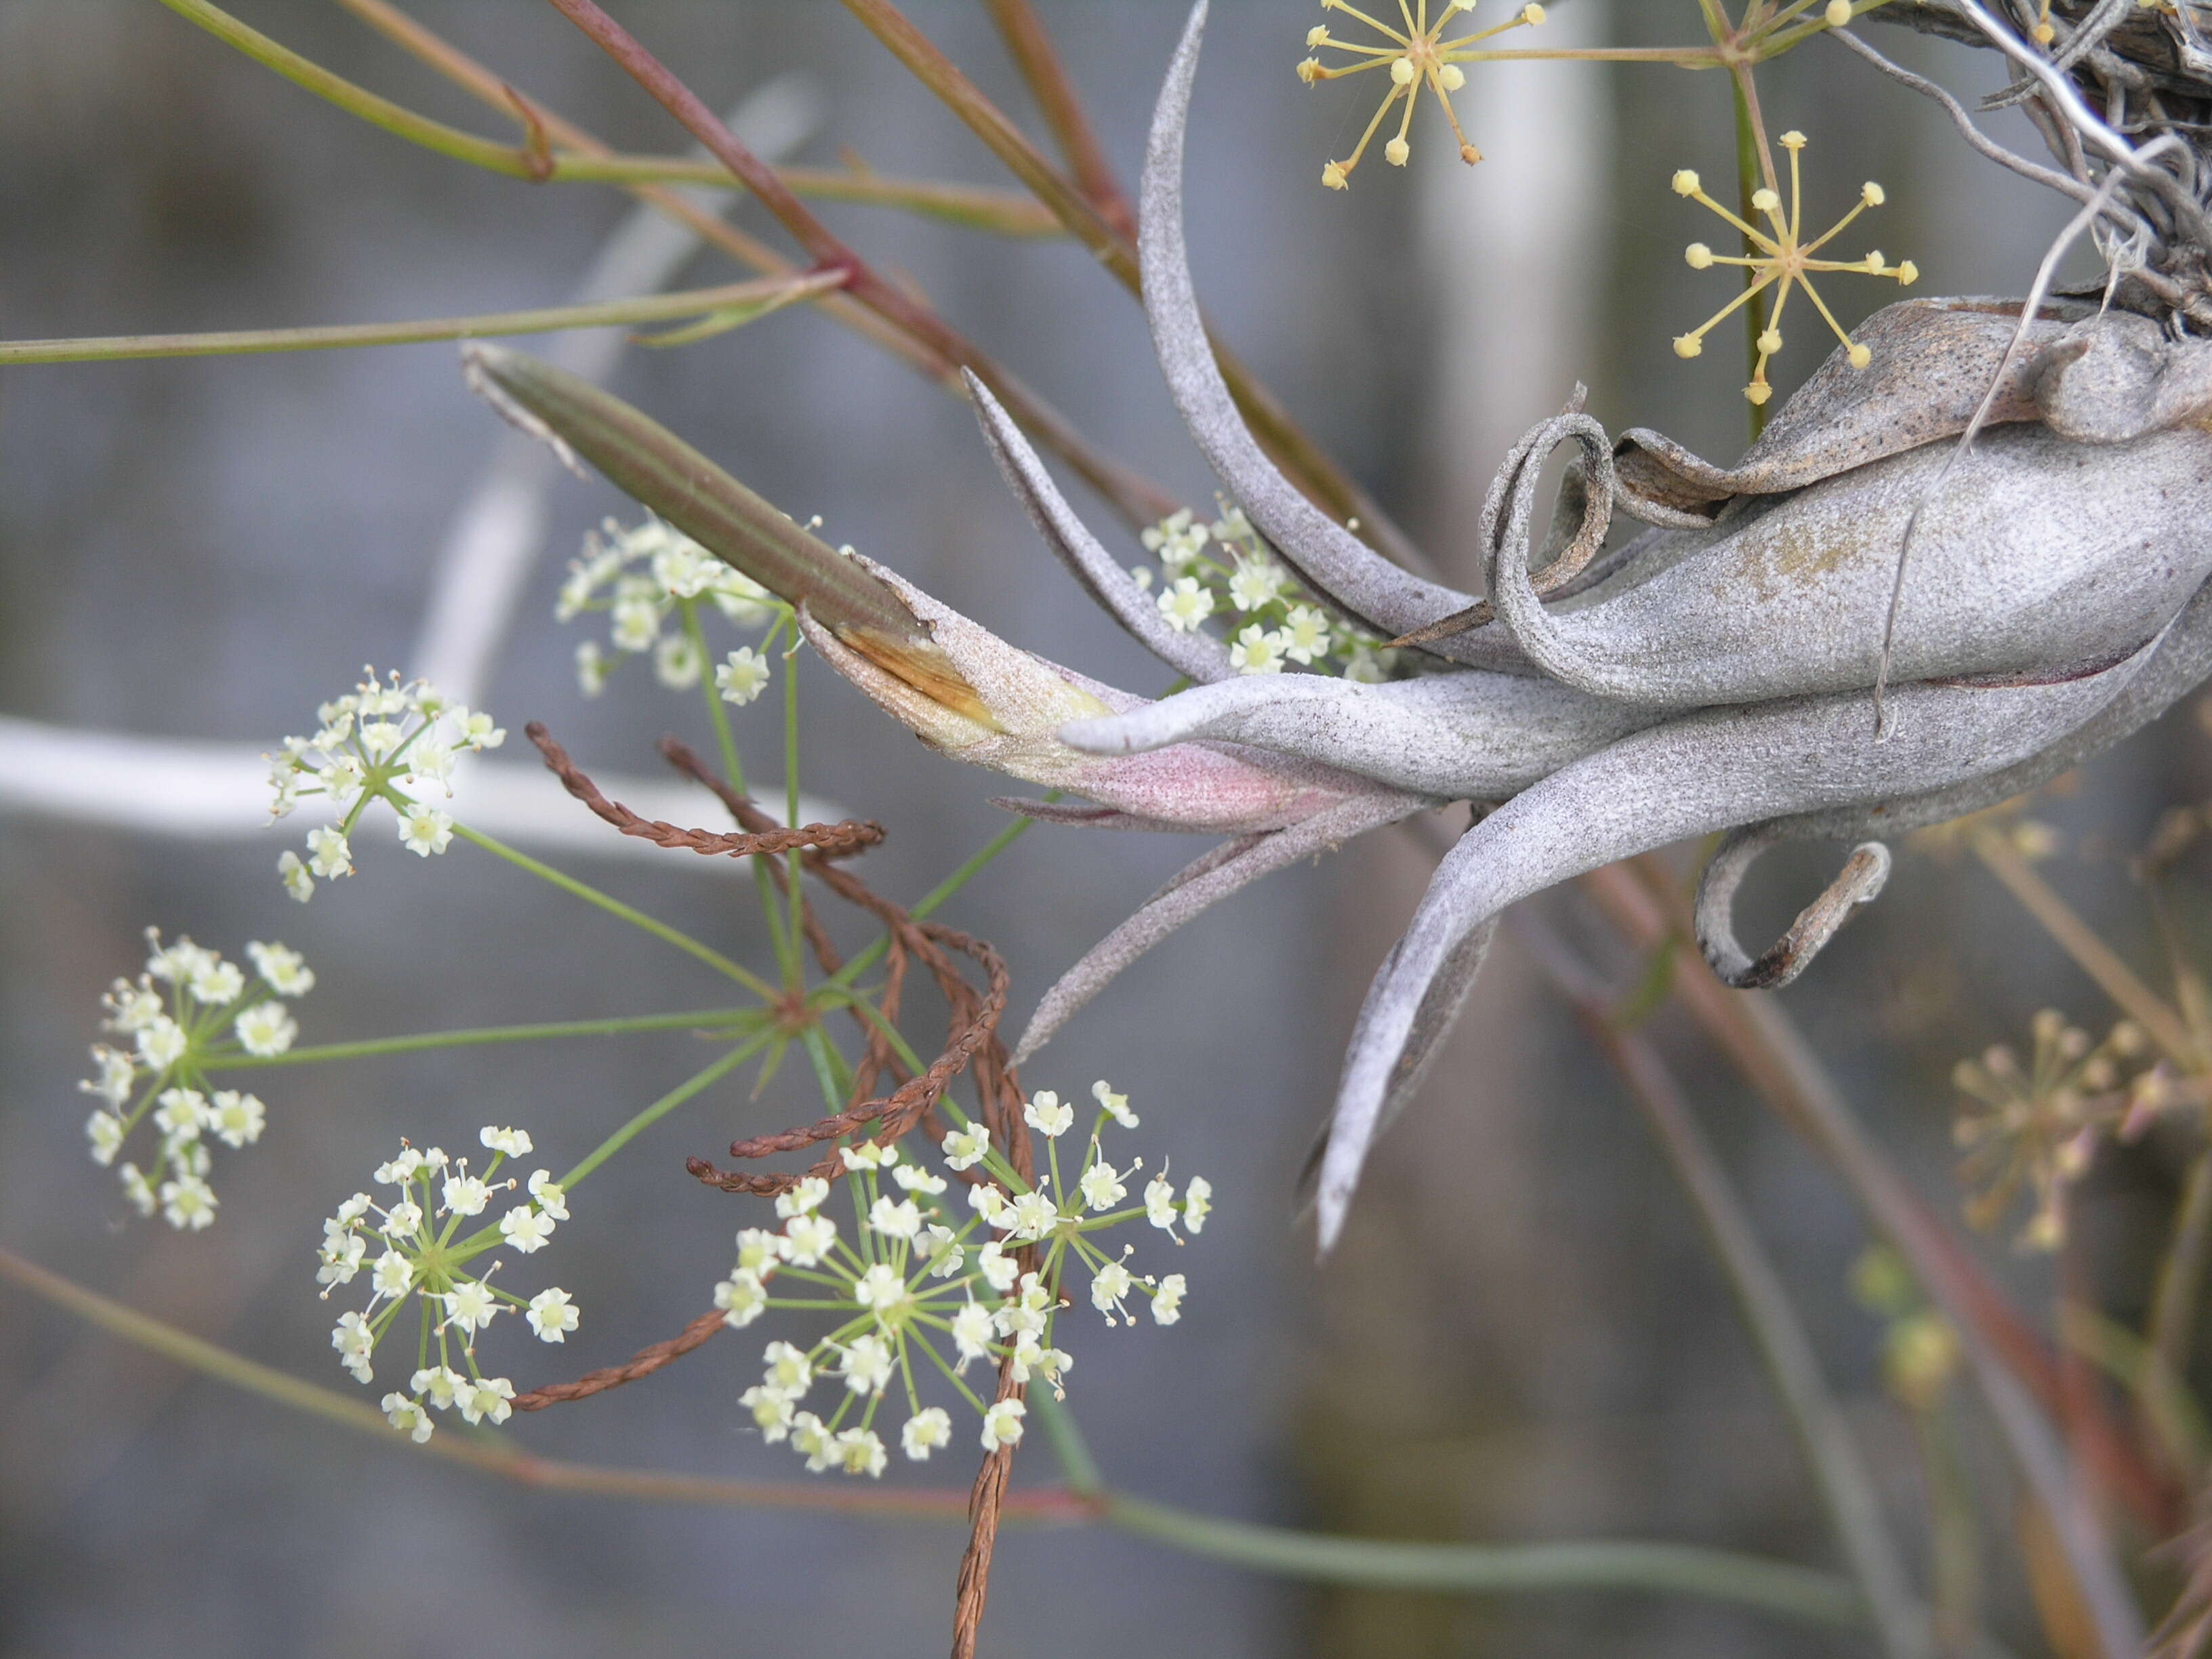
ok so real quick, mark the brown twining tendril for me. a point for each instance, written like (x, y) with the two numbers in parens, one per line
(985, 1501)
(826, 840)
(644, 1363)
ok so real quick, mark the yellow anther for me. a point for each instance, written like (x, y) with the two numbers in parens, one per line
(1839, 13)
(1777, 256)
(1416, 56)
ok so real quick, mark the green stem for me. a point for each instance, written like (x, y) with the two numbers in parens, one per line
(787, 955)
(2181, 1274)
(704, 1078)
(1751, 166)
(759, 297)
(1776, 1587)
(615, 907)
(415, 1043)
(1077, 1466)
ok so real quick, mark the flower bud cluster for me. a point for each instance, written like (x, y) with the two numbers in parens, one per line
(384, 740)
(189, 1012)
(418, 1257)
(919, 1289)
(650, 580)
(1277, 622)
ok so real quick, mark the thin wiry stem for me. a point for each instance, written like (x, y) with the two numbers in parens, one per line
(1045, 73)
(745, 301)
(1846, 1485)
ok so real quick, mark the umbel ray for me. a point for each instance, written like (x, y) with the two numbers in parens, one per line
(1716, 671)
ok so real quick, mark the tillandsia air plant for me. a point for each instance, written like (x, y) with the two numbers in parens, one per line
(1968, 553)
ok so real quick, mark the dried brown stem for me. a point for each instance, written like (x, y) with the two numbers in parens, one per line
(985, 1505)
(1135, 497)
(826, 840)
(644, 1363)
(1045, 73)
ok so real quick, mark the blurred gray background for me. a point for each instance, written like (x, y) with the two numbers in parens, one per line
(1522, 1339)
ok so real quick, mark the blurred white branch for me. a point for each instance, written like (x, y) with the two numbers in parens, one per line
(220, 791)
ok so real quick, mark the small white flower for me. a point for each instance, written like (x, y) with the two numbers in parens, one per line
(294, 874)
(355, 1342)
(552, 1315)
(867, 1156)
(399, 1171)
(486, 1396)
(1159, 1203)
(1002, 1425)
(939, 1246)
(811, 1439)
(515, 1143)
(341, 1257)
(771, 1410)
(1257, 650)
(1030, 1216)
(742, 676)
(1175, 538)
(180, 1113)
(137, 1189)
(1305, 634)
(162, 1043)
(424, 830)
(742, 1298)
(237, 1119)
(591, 668)
(677, 663)
(470, 1305)
(808, 1239)
(117, 1073)
(1047, 1115)
(1185, 604)
(758, 1249)
(882, 1288)
(188, 1201)
(1167, 1300)
(1197, 1203)
(408, 1417)
(964, 1148)
(972, 1329)
(404, 1218)
(1255, 583)
(282, 969)
(899, 1220)
(987, 1202)
(860, 1452)
(437, 1386)
(789, 1368)
(477, 731)
(804, 1198)
(1115, 1106)
(1100, 1186)
(1107, 1286)
(866, 1364)
(925, 1431)
(464, 1195)
(214, 983)
(915, 1179)
(525, 1228)
(1053, 1365)
(393, 1276)
(552, 1197)
(266, 1029)
(999, 1269)
(328, 855)
(104, 1131)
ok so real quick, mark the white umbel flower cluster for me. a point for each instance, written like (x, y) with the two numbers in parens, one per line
(650, 581)
(921, 1290)
(189, 1013)
(413, 1250)
(1273, 621)
(384, 740)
